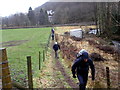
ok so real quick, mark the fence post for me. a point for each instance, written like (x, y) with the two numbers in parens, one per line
(108, 77)
(39, 60)
(43, 55)
(4, 73)
(46, 49)
(30, 80)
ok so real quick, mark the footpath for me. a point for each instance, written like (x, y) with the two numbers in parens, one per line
(55, 74)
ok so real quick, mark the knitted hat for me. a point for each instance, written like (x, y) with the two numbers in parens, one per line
(85, 55)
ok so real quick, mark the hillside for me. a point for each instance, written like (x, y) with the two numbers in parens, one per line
(70, 12)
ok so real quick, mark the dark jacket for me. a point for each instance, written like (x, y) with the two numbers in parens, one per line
(52, 31)
(81, 67)
(56, 47)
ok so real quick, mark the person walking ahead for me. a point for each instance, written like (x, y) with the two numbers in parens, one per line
(56, 47)
(81, 68)
(52, 33)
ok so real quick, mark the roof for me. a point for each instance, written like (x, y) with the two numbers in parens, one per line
(79, 29)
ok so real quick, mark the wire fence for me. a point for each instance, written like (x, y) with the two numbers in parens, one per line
(26, 79)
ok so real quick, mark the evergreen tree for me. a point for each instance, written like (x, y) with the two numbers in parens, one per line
(46, 17)
(31, 16)
(43, 17)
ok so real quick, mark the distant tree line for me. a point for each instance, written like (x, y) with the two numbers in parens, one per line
(62, 13)
(106, 15)
(29, 19)
(74, 13)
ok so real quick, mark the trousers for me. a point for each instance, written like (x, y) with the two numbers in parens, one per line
(52, 36)
(56, 54)
(82, 81)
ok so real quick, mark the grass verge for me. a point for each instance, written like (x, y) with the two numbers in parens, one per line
(33, 41)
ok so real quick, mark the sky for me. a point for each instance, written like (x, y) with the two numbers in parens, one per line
(9, 7)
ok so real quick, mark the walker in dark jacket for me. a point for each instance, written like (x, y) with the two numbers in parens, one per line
(56, 47)
(81, 68)
(52, 33)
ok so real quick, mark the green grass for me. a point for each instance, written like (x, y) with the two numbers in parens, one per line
(36, 39)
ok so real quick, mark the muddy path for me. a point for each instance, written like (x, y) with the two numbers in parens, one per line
(54, 74)
(12, 43)
(60, 67)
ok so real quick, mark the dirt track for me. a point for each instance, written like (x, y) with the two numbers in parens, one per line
(54, 75)
(13, 43)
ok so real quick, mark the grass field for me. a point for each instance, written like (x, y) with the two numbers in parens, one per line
(21, 43)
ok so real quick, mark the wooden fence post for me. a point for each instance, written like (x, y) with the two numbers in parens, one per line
(46, 50)
(39, 60)
(108, 77)
(4, 67)
(43, 55)
(30, 80)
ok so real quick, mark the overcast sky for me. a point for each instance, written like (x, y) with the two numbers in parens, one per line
(8, 7)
